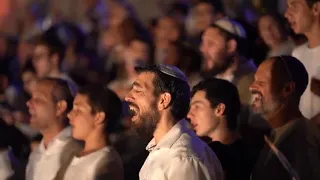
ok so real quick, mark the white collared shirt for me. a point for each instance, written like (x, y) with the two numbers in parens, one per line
(85, 167)
(44, 163)
(181, 155)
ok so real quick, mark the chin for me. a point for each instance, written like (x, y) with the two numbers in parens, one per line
(76, 136)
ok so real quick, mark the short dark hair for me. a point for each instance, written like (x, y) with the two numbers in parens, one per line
(54, 47)
(290, 69)
(311, 2)
(221, 91)
(102, 99)
(179, 90)
(61, 91)
(218, 6)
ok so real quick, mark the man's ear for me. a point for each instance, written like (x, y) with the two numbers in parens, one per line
(288, 89)
(220, 110)
(232, 46)
(100, 118)
(61, 107)
(316, 9)
(164, 101)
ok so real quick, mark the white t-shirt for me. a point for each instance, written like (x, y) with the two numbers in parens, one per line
(5, 165)
(44, 163)
(309, 103)
(85, 167)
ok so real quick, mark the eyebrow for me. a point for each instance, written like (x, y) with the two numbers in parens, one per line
(81, 105)
(137, 84)
(196, 102)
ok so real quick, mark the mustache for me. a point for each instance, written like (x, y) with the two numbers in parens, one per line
(256, 92)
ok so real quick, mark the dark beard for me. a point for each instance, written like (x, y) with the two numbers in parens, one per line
(209, 73)
(146, 124)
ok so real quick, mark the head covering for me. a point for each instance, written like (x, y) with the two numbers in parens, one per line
(170, 70)
(231, 26)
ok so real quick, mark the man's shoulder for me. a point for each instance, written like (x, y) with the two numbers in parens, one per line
(298, 50)
(110, 164)
(191, 146)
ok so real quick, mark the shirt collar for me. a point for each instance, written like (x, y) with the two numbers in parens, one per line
(171, 137)
(61, 138)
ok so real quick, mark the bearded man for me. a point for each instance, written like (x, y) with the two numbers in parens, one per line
(159, 102)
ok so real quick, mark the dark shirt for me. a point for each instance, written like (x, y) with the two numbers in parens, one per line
(236, 159)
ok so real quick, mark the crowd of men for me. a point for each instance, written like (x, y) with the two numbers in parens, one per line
(233, 120)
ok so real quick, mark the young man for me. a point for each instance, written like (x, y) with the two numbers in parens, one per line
(95, 112)
(50, 102)
(278, 86)
(304, 17)
(158, 101)
(49, 53)
(215, 106)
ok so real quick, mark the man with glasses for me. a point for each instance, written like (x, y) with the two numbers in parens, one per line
(278, 86)
(159, 102)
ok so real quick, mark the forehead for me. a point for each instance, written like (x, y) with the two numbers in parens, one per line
(266, 20)
(199, 96)
(28, 74)
(40, 48)
(297, 2)
(204, 7)
(265, 69)
(139, 44)
(212, 33)
(167, 21)
(81, 99)
(145, 80)
(43, 87)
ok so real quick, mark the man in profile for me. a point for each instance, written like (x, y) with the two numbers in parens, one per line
(159, 102)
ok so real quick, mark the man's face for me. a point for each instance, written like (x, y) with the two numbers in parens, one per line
(299, 16)
(143, 104)
(266, 99)
(29, 81)
(41, 61)
(42, 107)
(81, 118)
(204, 15)
(202, 115)
(214, 51)
(270, 31)
(167, 30)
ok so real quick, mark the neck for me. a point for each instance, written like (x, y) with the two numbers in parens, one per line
(313, 35)
(285, 115)
(224, 135)
(232, 68)
(50, 133)
(94, 143)
(276, 46)
(162, 44)
(163, 127)
(55, 73)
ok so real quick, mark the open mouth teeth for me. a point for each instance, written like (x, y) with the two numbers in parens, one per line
(132, 111)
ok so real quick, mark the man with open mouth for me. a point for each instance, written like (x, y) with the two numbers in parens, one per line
(159, 102)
